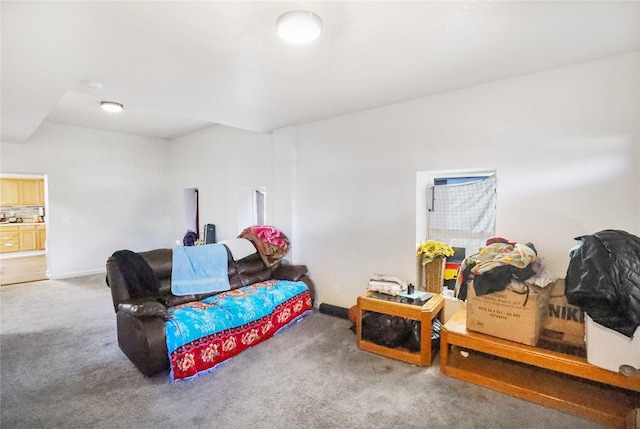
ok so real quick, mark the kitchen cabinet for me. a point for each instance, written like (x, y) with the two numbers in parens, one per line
(41, 236)
(9, 239)
(22, 192)
(27, 237)
(22, 238)
(40, 192)
(31, 192)
(10, 189)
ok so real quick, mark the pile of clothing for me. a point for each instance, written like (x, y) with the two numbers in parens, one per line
(499, 263)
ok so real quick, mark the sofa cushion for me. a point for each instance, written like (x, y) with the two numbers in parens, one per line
(160, 261)
(247, 271)
(289, 272)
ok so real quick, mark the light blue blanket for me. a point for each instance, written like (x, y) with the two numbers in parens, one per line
(199, 269)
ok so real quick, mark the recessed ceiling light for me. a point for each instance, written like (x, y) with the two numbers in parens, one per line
(299, 26)
(111, 106)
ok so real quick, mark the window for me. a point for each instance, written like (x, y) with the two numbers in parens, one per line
(457, 207)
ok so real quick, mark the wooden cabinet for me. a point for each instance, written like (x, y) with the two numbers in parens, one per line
(40, 192)
(27, 237)
(41, 236)
(21, 238)
(10, 189)
(22, 192)
(29, 192)
(9, 239)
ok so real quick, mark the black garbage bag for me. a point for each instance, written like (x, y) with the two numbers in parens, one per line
(603, 279)
(394, 331)
(385, 330)
(413, 342)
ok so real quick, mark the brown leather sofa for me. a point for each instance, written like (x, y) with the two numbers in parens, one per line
(141, 302)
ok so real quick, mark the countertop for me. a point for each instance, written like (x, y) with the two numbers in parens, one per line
(21, 223)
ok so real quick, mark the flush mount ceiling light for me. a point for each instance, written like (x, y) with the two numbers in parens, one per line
(299, 26)
(111, 106)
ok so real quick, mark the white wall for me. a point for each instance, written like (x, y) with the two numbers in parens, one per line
(219, 161)
(281, 199)
(106, 192)
(565, 144)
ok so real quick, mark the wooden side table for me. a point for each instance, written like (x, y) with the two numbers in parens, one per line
(410, 309)
(565, 382)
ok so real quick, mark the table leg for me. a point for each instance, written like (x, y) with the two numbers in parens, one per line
(359, 324)
(444, 350)
(425, 339)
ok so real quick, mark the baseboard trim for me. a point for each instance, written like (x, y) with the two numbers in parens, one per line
(59, 276)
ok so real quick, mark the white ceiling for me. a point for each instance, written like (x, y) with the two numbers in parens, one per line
(179, 67)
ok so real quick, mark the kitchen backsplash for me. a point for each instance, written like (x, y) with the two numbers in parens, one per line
(28, 214)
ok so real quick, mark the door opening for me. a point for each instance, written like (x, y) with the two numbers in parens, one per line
(191, 210)
(23, 226)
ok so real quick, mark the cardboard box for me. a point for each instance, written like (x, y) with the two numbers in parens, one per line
(564, 322)
(451, 305)
(515, 314)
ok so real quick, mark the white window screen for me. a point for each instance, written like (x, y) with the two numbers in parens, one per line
(463, 215)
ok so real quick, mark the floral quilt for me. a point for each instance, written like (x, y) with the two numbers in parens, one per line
(203, 334)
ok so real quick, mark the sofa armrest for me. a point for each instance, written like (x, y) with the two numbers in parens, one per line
(143, 341)
(145, 309)
(289, 272)
(172, 300)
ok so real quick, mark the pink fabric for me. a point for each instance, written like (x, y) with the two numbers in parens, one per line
(269, 234)
(271, 243)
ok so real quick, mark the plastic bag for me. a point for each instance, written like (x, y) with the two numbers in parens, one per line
(385, 330)
(394, 331)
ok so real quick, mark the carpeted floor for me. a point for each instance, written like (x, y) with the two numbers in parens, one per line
(60, 367)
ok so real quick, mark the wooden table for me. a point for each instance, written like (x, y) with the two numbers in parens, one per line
(557, 380)
(425, 313)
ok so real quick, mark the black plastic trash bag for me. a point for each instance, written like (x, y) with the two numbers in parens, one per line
(394, 331)
(603, 279)
(385, 330)
(413, 342)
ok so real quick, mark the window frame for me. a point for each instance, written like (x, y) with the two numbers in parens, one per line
(426, 179)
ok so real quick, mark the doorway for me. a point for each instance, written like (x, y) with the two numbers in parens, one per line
(191, 210)
(252, 207)
(23, 228)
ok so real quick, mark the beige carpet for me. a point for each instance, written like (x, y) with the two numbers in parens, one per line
(60, 367)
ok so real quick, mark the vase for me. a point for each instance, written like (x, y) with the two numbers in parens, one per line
(433, 275)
